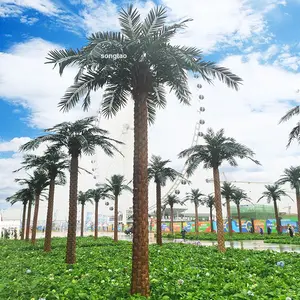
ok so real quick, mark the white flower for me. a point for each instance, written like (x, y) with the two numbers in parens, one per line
(250, 293)
(42, 298)
(288, 298)
(207, 274)
(109, 270)
(70, 270)
(180, 281)
(28, 271)
(165, 269)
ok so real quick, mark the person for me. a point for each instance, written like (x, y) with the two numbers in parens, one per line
(183, 232)
(261, 231)
(269, 229)
(291, 231)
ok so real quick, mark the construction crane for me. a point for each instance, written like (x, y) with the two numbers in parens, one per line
(289, 209)
(235, 181)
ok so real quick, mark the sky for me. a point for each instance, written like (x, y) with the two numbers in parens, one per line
(257, 39)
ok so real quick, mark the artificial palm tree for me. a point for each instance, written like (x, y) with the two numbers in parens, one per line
(292, 176)
(151, 64)
(227, 191)
(171, 201)
(54, 162)
(79, 137)
(96, 195)
(209, 201)
(115, 186)
(195, 197)
(274, 193)
(217, 149)
(83, 199)
(159, 171)
(26, 196)
(39, 181)
(238, 196)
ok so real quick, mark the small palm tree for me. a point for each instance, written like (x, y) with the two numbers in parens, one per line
(79, 137)
(238, 196)
(54, 162)
(274, 193)
(227, 191)
(209, 201)
(83, 199)
(26, 196)
(217, 149)
(195, 197)
(96, 195)
(39, 181)
(292, 176)
(152, 63)
(116, 185)
(171, 201)
(159, 171)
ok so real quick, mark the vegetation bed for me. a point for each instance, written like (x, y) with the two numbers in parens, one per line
(178, 271)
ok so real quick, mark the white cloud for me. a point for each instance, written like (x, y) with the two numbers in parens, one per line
(28, 20)
(14, 144)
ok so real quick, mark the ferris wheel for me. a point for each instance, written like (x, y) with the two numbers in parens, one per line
(197, 135)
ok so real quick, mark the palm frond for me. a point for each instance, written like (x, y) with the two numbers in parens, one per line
(292, 112)
(155, 20)
(130, 23)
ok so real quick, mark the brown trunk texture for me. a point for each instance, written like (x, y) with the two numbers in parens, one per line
(211, 220)
(239, 218)
(72, 222)
(28, 221)
(82, 220)
(298, 208)
(23, 221)
(229, 216)
(116, 220)
(218, 204)
(196, 219)
(35, 218)
(48, 232)
(277, 217)
(172, 219)
(96, 219)
(158, 214)
(140, 253)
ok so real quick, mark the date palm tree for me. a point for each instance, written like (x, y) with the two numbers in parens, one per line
(83, 199)
(274, 193)
(171, 201)
(151, 64)
(54, 162)
(209, 201)
(159, 171)
(26, 196)
(96, 195)
(227, 192)
(195, 197)
(291, 175)
(115, 186)
(238, 196)
(39, 181)
(79, 137)
(217, 149)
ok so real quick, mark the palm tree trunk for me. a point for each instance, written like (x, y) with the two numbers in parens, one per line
(211, 220)
(35, 218)
(218, 204)
(239, 217)
(82, 220)
(96, 219)
(48, 232)
(229, 216)
(196, 219)
(298, 207)
(172, 219)
(28, 221)
(23, 221)
(116, 220)
(140, 253)
(72, 222)
(158, 214)
(277, 217)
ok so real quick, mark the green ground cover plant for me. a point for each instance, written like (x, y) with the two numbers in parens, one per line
(177, 271)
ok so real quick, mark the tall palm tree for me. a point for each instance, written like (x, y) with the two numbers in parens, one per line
(54, 162)
(292, 176)
(83, 199)
(79, 137)
(209, 201)
(171, 201)
(151, 63)
(159, 171)
(26, 196)
(39, 181)
(217, 149)
(195, 197)
(274, 193)
(227, 191)
(238, 196)
(96, 195)
(115, 186)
